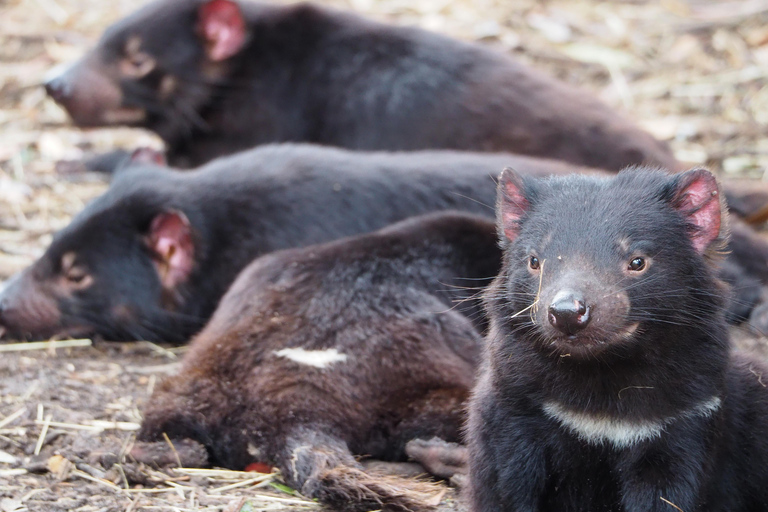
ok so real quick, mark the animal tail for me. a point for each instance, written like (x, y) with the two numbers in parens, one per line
(322, 467)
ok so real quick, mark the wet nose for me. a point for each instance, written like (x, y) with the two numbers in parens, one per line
(568, 312)
(57, 88)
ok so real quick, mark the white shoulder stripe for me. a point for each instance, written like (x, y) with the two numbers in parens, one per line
(600, 429)
(316, 358)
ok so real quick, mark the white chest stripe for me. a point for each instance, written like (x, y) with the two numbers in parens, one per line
(601, 429)
(316, 358)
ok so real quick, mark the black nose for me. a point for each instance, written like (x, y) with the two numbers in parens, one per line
(569, 312)
(57, 88)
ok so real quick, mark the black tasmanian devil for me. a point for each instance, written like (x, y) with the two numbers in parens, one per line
(608, 382)
(318, 354)
(214, 77)
(151, 258)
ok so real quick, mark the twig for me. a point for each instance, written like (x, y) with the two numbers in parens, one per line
(150, 491)
(173, 449)
(535, 302)
(6, 473)
(287, 500)
(95, 426)
(73, 426)
(157, 348)
(10, 419)
(235, 505)
(116, 425)
(43, 345)
(43, 432)
(133, 505)
(31, 493)
(670, 503)
(215, 473)
(632, 387)
(86, 476)
(126, 486)
(244, 483)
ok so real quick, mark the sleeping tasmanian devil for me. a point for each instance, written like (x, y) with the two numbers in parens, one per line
(608, 384)
(213, 77)
(151, 258)
(318, 354)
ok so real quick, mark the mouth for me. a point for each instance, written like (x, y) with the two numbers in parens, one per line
(586, 344)
(68, 333)
(125, 115)
(578, 342)
(95, 117)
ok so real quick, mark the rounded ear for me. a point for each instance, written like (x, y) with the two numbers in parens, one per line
(170, 239)
(147, 155)
(222, 28)
(511, 203)
(697, 197)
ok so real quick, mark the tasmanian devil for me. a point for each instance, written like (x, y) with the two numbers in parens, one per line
(608, 384)
(214, 77)
(151, 258)
(318, 354)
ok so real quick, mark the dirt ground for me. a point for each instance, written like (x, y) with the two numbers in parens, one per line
(693, 72)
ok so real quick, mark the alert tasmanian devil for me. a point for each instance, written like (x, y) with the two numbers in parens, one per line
(608, 382)
(214, 77)
(318, 354)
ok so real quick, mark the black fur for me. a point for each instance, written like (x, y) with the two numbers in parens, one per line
(586, 234)
(240, 207)
(314, 74)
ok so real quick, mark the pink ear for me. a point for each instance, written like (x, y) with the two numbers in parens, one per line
(148, 156)
(170, 237)
(511, 203)
(222, 26)
(698, 198)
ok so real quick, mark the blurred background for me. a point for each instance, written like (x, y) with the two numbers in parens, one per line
(692, 72)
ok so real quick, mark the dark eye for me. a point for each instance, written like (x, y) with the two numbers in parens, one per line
(533, 263)
(636, 264)
(138, 59)
(138, 65)
(76, 275)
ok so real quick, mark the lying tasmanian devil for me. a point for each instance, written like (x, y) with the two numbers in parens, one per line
(322, 353)
(215, 77)
(608, 384)
(151, 258)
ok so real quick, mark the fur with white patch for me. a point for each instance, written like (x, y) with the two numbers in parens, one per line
(316, 358)
(602, 429)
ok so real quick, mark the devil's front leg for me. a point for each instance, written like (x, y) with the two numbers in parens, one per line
(667, 473)
(507, 468)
